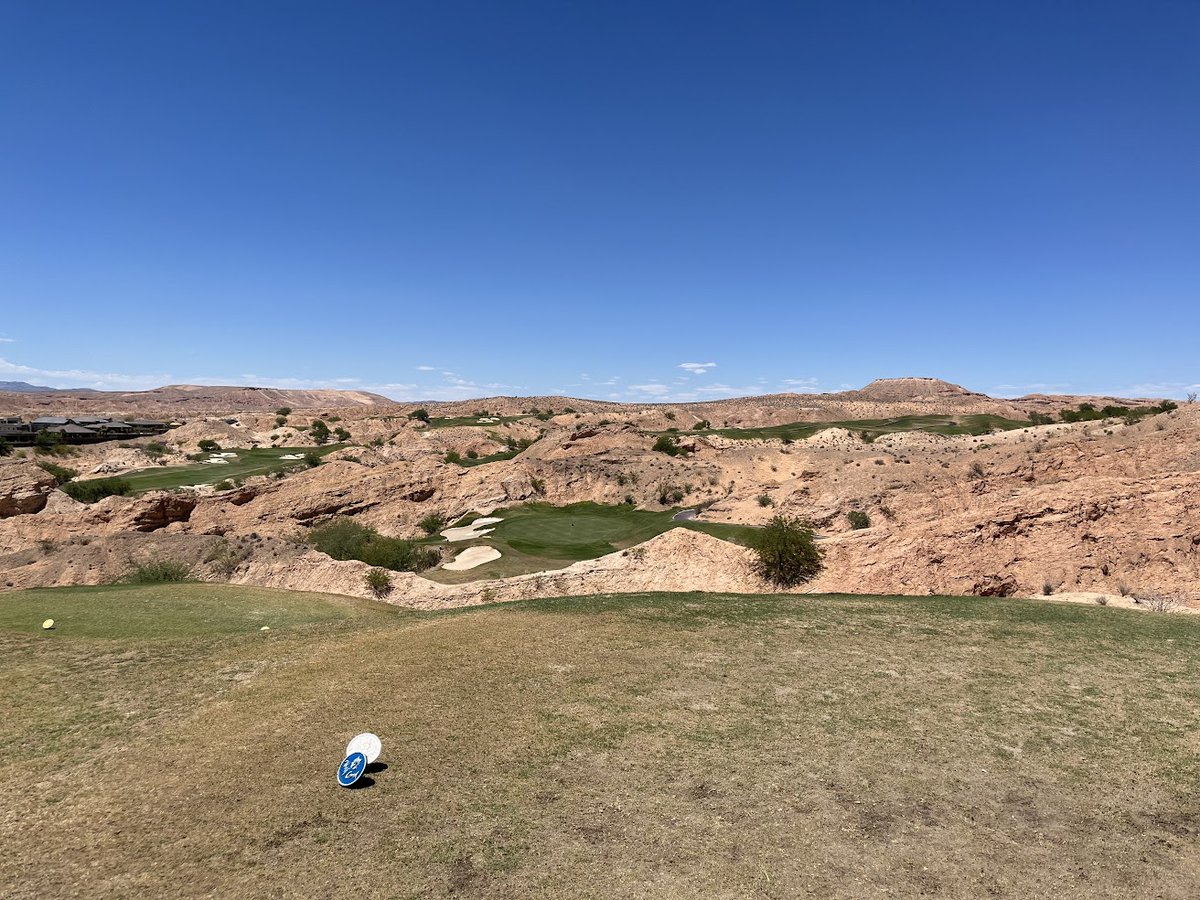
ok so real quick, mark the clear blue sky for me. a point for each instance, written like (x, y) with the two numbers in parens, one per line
(450, 199)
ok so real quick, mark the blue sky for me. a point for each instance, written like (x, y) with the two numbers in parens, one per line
(451, 199)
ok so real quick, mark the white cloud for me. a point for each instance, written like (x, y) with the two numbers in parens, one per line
(654, 389)
(7, 340)
(697, 368)
(426, 368)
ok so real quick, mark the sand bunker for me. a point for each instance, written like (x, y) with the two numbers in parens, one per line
(469, 532)
(472, 557)
(292, 456)
(217, 461)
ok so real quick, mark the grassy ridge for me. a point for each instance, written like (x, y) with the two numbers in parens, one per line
(668, 745)
(948, 425)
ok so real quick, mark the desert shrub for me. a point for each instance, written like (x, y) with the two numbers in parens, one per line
(319, 431)
(487, 595)
(159, 571)
(432, 523)
(1158, 602)
(155, 449)
(96, 489)
(341, 434)
(702, 425)
(226, 556)
(334, 418)
(312, 459)
(669, 493)
(545, 415)
(5, 447)
(472, 454)
(346, 539)
(669, 445)
(454, 457)
(858, 519)
(1102, 600)
(52, 443)
(604, 422)
(786, 551)
(1123, 589)
(670, 416)
(280, 421)
(60, 474)
(538, 485)
(377, 442)
(208, 445)
(223, 485)
(629, 501)
(1047, 588)
(765, 500)
(284, 411)
(976, 472)
(378, 582)
(421, 415)
(568, 409)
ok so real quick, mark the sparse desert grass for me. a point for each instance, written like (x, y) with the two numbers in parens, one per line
(157, 744)
(260, 461)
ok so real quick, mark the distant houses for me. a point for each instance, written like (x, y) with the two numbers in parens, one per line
(78, 429)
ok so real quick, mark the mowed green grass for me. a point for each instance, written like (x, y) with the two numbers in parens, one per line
(536, 537)
(258, 461)
(621, 746)
(472, 421)
(948, 425)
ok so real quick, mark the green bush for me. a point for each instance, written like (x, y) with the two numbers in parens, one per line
(702, 425)
(472, 454)
(669, 445)
(209, 446)
(378, 582)
(319, 432)
(52, 443)
(158, 572)
(342, 434)
(223, 485)
(280, 421)
(454, 457)
(96, 489)
(765, 500)
(858, 519)
(421, 415)
(786, 552)
(155, 449)
(346, 539)
(312, 459)
(60, 474)
(5, 447)
(432, 523)
(538, 485)
(284, 411)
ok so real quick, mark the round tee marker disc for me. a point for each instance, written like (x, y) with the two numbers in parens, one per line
(367, 744)
(351, 769)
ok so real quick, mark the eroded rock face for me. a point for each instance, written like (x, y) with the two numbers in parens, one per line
(24, 488)
(157, 511)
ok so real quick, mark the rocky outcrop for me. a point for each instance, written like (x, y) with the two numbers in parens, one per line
(24, 488)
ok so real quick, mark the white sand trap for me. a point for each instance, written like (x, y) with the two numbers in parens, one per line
(292, 456)
(217, 461)
(472, 557)
(469, 532)
(226, 455)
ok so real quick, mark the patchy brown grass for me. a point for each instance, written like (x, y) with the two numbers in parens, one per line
(681, 746)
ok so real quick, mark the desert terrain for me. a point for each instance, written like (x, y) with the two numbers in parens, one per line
(915, 486)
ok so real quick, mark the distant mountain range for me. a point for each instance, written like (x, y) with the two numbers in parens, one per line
(24, 387)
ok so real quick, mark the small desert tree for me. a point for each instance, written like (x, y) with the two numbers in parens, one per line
(858, 519)
(1191, 397)
(786, 552)
(432, 523)
(319, 431)
(421, 415)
